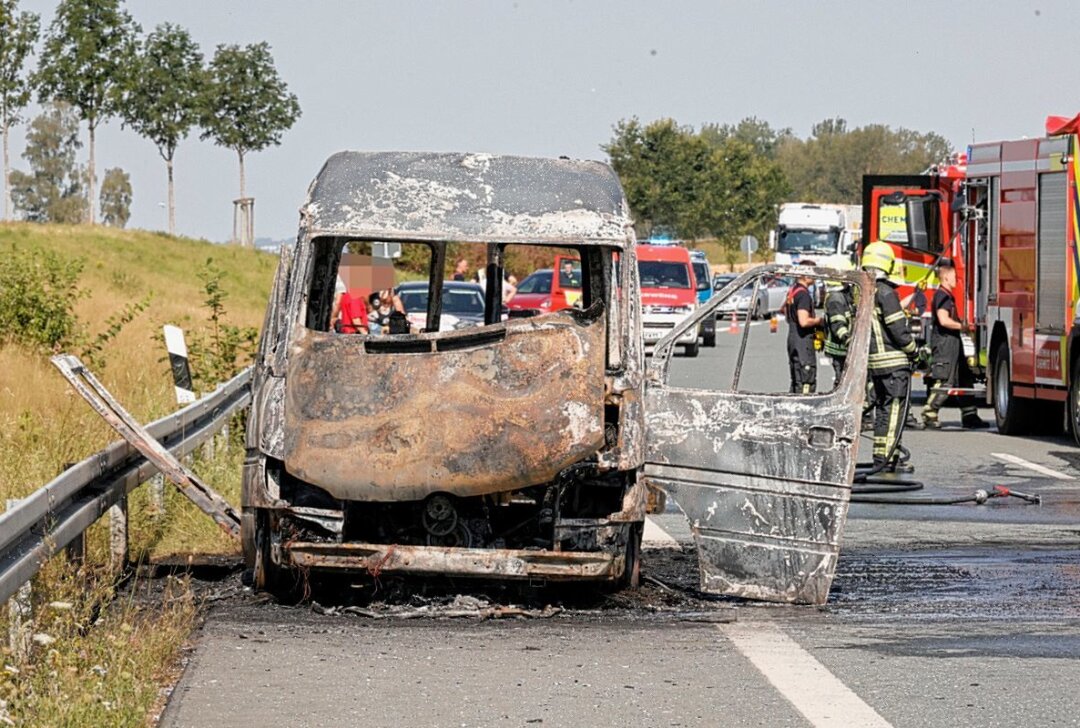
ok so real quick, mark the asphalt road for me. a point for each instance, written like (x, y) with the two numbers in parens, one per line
(962, 615)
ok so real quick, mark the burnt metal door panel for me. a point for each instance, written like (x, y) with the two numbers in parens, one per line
(764, 479)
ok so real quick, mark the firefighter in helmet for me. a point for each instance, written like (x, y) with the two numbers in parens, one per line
(839, 313)
(948, 367)
(889, 362)
(802, 324)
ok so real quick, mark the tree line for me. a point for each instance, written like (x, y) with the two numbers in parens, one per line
(724, 181)
(94, 65)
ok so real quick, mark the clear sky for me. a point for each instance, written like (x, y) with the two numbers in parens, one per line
(550, 77)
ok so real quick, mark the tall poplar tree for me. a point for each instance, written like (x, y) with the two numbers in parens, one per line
(18, 33)
(162, 99)
(88, 53)
(247, 104)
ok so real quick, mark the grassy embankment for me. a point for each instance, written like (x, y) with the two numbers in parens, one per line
(111, 673)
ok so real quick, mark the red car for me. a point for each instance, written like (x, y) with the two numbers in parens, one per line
(543, 291)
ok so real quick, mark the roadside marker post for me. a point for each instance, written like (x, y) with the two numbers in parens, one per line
(178, 361)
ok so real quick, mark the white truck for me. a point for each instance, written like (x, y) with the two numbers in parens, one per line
(823, 233)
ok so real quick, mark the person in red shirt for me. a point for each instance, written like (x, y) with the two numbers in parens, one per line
(354, 319)
(350, 312)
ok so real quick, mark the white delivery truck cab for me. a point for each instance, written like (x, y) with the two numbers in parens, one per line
(822, 233)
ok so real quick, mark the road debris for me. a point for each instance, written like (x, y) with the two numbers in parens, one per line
(99, 398)
(459, 607)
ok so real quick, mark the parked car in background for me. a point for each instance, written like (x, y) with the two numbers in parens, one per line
(771, 295)
(544, 291)
(703, 284)
(462, 304)
(533, 293)
(722, 279)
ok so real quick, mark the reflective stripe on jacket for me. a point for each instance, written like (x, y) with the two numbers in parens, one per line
(891, 342)
(837, 323)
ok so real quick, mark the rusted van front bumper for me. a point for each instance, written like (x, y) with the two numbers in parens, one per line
(510, 564)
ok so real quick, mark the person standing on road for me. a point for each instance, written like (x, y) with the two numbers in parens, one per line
(461, 270)
(839, 311)
(947, 356)
(889, 363)
(799, 312)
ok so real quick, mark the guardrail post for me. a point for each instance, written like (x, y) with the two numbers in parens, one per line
(157, 495)
(118, 536)
(20, 617)
(76, 551)
(208, 449)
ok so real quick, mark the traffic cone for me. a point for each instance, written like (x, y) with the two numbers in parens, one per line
(733, 327)
(774, 325)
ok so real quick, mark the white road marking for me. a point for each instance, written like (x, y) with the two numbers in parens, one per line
(1031, 466)
(657, 537)
(807, 684)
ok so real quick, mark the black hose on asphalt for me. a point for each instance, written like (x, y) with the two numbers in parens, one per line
(870, 487)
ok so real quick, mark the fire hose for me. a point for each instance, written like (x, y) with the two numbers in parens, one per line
(871, 487)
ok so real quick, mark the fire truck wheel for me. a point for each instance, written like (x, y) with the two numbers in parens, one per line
(1011, 413)
(1074, 402)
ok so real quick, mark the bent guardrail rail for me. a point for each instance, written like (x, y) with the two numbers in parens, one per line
(56, 514)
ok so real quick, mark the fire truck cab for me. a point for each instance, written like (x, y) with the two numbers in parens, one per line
(1007, 215)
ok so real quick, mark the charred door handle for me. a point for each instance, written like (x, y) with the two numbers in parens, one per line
(822, 437)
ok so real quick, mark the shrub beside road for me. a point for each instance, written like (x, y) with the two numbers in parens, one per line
(96, 660)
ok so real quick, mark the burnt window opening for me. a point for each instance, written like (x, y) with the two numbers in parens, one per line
(759, 348)
(347, 277)
(375, 288)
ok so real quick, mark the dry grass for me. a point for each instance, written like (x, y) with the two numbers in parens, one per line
(108, 668)
(186, 529)
(42, 423)
(96, 669)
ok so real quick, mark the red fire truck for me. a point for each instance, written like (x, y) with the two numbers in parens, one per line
(1007, 215)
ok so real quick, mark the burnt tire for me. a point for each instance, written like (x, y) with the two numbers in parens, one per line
(631, 576)
(281, 583)
(1013, 416)
(247, 537)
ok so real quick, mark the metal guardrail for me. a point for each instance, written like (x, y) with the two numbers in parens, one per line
(56, 514)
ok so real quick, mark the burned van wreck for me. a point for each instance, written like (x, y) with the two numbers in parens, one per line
(468, 438)
(509, 449)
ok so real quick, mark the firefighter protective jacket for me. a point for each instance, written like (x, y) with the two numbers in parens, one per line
(838, 312)
(891, 342)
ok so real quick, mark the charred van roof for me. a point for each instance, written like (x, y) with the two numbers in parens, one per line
(466, 197)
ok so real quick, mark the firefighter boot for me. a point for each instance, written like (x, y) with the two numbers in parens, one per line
(972, 421)
(903, 468)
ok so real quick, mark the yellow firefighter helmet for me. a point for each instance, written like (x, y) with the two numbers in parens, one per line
(879, 256)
